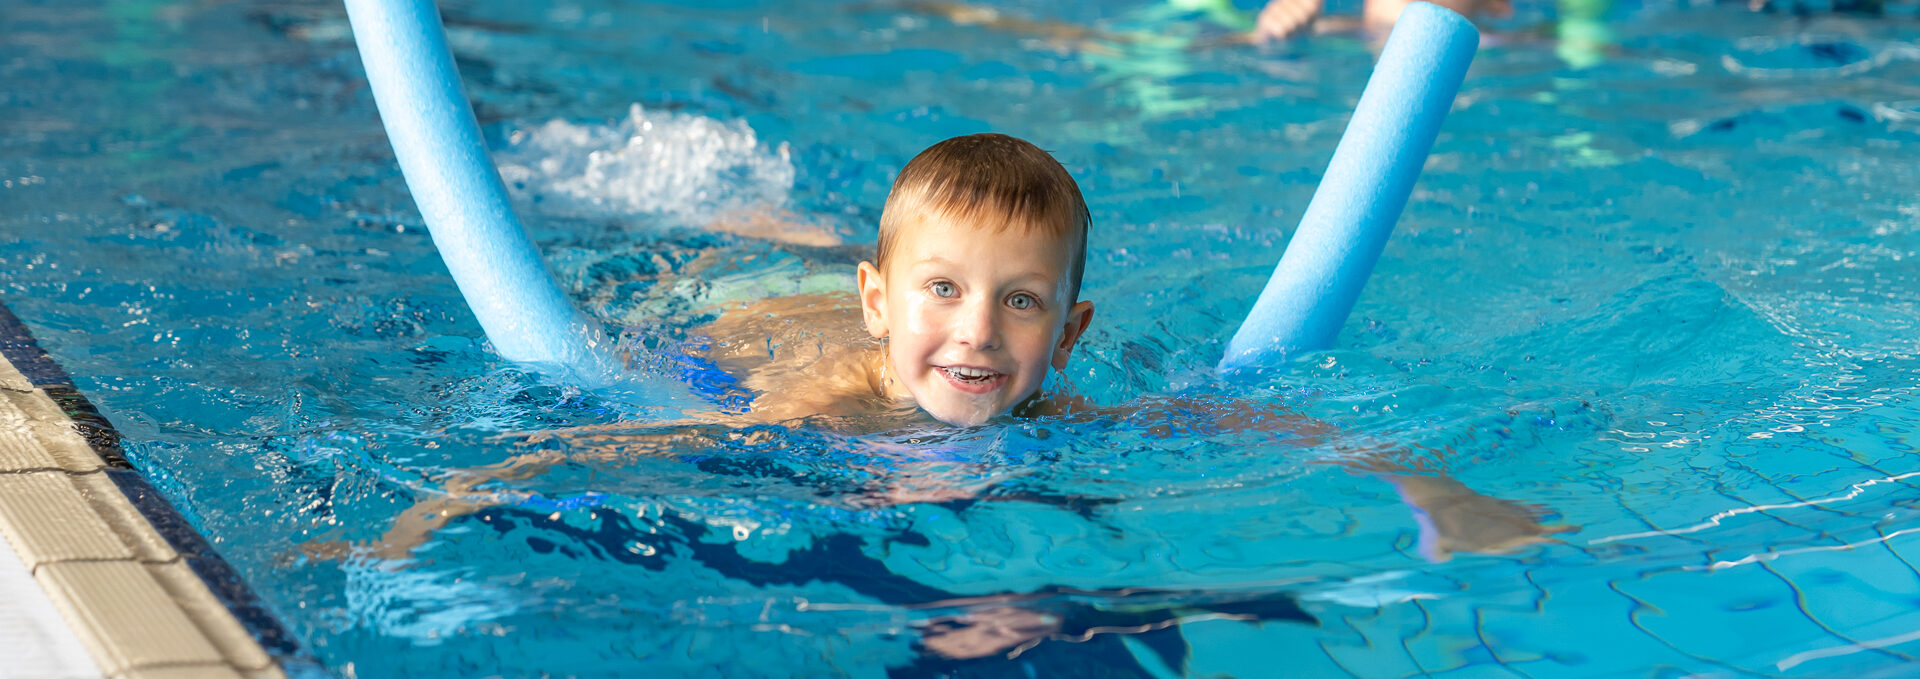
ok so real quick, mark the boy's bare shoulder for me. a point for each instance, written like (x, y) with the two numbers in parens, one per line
(801, 355)
(784, 325)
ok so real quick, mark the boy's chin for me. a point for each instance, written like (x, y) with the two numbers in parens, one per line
(962, 417)
(965, 414)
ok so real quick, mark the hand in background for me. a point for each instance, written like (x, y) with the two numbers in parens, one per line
(1282, 19)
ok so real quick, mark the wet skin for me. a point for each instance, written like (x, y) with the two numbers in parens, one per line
(972, 317)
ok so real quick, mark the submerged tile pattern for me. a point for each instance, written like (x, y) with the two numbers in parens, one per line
(129, 596)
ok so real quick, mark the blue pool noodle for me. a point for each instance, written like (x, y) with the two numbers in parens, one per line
(1366, 187)
(459, 192)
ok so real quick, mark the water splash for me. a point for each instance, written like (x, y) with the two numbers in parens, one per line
(685, 167)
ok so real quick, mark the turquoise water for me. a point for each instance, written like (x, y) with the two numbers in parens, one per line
(1669, 297)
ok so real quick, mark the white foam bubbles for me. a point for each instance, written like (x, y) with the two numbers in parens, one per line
(682, 166)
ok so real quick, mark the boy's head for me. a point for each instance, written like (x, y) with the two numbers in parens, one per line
(977, 280)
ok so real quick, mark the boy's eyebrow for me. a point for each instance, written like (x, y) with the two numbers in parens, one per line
(937, 260)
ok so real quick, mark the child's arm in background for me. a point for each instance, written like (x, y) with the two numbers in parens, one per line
(1282, 19)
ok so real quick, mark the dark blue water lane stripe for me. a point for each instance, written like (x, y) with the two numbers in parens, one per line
(18, 345)
(93, 426)
(25, 354)
(20, 349)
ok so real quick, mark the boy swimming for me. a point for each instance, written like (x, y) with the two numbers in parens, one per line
(970, 300)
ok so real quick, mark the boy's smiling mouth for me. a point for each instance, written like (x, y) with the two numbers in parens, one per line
(972, 380)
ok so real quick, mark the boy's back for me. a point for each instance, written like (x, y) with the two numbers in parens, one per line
(799, 356)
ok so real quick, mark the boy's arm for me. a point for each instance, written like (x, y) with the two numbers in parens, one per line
(462, 491)
(1451, 516)
(782, 227)
(1454, 518)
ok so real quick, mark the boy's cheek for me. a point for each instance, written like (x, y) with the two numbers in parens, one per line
(919, 321)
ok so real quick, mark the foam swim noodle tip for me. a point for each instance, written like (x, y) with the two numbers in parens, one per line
(1366, 186)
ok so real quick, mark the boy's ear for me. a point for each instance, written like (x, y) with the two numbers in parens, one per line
(1078, 318)
(873, 299)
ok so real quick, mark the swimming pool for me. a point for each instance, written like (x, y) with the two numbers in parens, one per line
(1670, 296)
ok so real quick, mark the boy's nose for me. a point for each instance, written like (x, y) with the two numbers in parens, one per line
(977, 326)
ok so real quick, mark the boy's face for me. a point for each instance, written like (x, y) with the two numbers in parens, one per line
(973, 318)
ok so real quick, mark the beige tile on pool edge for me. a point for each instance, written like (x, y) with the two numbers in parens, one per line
(19, 450)
(124, 617)
(214, 620)
(126, 521)
(54, 429)
(48, 521)
(11, 379)
(214, 671)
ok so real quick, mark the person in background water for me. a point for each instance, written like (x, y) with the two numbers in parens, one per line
(1282, 19)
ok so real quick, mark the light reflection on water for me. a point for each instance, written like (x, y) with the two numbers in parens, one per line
(1668, 298)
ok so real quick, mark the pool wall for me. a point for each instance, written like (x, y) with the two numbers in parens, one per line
(143, 592)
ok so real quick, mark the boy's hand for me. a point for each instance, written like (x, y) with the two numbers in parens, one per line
(1454, 518)
(1281, 19)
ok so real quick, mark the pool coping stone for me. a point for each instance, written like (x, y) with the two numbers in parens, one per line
(142, 590)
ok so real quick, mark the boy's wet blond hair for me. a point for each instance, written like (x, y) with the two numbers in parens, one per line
(990, 181)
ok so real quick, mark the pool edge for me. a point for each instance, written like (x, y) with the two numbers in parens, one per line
(143, 591)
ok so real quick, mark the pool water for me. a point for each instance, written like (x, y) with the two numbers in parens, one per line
(1664, 289)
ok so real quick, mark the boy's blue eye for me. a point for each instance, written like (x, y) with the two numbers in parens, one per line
(941, 289)
(1022, 301)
